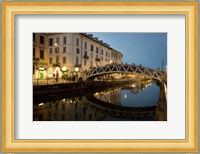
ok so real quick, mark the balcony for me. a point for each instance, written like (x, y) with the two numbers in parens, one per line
(57, 65)
(97, 59)
(36, 59)
(86, 56)
(77, 65)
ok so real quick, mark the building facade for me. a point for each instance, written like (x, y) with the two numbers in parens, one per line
(40, 55)
(68, 54)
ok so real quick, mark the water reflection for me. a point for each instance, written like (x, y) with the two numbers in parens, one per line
(134, 102)
(140, 94)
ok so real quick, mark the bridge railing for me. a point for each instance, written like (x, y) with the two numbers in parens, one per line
(126, 68)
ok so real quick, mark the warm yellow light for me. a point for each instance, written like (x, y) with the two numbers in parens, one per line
(110, 61)
(64, 68)
(40, 104)
(57, 68)
(76, 69)
(41, 68)
(55, 44)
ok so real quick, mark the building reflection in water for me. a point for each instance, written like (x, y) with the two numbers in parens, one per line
(65, 110)
(106, 105)
(138, 94)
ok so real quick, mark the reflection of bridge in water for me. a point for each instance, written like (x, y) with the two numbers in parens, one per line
(158, 112)
(90, 105)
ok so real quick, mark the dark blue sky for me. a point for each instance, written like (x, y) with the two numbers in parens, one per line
(147, 49)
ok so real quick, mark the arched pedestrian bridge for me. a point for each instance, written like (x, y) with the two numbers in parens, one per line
(124, 68)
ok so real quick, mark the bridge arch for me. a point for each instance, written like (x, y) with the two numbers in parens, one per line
(124, 68)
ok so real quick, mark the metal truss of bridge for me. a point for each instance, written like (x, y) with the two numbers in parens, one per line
(124, 68)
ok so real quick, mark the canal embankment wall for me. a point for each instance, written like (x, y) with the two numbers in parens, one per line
(75, 87)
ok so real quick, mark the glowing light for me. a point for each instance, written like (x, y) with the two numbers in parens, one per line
(41, 68)
(125, 96)
(40, 104)
(133, 86)
(111, 61)
(57, 68)
(76, 69)
(63, 100)
(64, 68)
(55, 44)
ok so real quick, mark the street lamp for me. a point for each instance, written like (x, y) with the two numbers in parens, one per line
(76, 72)
(76, 69)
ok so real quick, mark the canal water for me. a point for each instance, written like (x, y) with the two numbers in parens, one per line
(137, 101)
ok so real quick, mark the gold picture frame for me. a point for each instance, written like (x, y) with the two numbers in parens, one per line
(10, 9)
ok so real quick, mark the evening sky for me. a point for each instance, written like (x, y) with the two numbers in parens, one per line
(147, 49)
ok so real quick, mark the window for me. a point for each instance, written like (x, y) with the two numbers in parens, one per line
(33, 52)
(112, 54)
(85, 45)
(64, 49)
(57, 59)
(64, 40)
(64, 60)
(50, 50)
(77, 50)
(57, 40)
(92, 48)
(42, 54)
(85, 62)
(77, 42)
(34, 37)
(91, 55)
(50, 60)
(119, 57)
(106, 53)
(50, 42)
(41, 39)
(97, 49)
(102, 52)
(56, 50)
(77, 60)
(91, 64)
